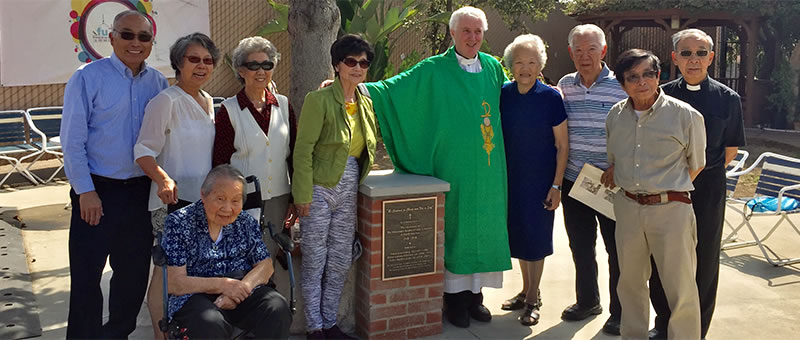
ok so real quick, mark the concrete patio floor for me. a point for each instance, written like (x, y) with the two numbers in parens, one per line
(755, 300)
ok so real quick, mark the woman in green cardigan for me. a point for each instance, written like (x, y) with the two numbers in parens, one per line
(333, 153)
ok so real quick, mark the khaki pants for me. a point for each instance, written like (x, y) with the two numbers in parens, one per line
(667, 232)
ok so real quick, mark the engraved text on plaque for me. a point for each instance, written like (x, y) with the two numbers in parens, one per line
(409, 237)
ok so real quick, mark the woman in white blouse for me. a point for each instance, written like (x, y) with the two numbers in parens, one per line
(176, 140)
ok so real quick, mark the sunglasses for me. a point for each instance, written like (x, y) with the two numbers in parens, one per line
(635, 78)
(196, 60)
(254, 65)
(700, 53)
(352, 62)
(143, 37)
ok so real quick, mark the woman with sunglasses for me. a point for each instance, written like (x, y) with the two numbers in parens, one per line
(175, 141)
(334, 152)
(256, 130)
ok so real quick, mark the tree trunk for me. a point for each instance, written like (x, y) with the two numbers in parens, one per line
(794, 63)
(312, 27)
(446, 41)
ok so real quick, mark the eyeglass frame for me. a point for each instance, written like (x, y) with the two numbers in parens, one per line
(352, 62)
(132, 35)
(265, 65)
(637, 78)
(197, 60)
(698, 53)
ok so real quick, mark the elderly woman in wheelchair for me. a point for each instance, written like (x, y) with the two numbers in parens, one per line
(219, 268)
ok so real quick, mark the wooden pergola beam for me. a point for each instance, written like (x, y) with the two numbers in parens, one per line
(749, 22)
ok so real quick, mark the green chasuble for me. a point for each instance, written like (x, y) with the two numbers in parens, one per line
(439, 120)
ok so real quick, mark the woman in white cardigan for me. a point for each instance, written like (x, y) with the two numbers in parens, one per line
(256, 129)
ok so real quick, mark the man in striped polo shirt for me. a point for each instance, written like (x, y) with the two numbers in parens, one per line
(588, 95)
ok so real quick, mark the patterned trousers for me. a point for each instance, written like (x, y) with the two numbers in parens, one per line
(327, 241)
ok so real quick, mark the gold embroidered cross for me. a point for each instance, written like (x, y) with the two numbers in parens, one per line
(487, 131)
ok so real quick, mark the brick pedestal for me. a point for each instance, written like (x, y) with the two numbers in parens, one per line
(402, 308)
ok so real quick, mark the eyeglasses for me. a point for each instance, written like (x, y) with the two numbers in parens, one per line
(196, 60)
(699, 53)
(351, 62)
(635, 78)
(254, 65)
(143, 37)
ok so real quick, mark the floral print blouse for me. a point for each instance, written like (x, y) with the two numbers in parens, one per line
(187, 242)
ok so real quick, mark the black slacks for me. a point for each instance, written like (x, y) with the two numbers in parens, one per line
(708, 201)
(581, 224)
(265, 314)
(124, 236)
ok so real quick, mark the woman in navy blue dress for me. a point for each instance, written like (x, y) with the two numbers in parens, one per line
(535, 133)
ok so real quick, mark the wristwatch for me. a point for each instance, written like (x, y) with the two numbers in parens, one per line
(557, 187)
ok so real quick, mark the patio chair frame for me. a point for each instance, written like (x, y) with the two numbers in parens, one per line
(18, 146)
(780, 177)
(49, 145)
(729, 241)
(217, 101)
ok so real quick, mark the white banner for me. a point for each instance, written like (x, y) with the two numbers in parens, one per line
(44, 41)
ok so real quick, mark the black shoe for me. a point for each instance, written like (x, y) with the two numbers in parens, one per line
(514, 303)
(530, 316)
(455, 308)
(458, 317)
(336, 333)
(656, 333)
(611, 327)
(477, 310)
(578, 313)
(480, 313)
(315, 335)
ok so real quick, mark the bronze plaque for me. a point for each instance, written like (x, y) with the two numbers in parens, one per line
(409, 237)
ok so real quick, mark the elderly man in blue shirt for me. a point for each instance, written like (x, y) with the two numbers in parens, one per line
(104, 104)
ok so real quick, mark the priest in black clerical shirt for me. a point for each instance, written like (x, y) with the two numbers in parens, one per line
(722, 110)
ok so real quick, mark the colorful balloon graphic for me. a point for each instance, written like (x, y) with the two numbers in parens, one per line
(91, 22)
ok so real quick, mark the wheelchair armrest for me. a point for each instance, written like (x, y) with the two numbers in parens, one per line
(158, 253)
(283, 241)
(159, 257)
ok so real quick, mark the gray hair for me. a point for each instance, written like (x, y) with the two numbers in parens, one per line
(223, 171)
(178, 49)
(584, 29)
(251, 45)
(127, 13)
(691, 32)
(531, 41)
(470, 12)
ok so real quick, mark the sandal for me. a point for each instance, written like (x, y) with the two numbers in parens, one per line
(514, 303)
(530, 316)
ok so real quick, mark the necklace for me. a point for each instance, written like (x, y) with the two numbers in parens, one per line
(258, 103)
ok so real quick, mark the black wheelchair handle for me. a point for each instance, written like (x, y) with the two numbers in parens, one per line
(284, 241)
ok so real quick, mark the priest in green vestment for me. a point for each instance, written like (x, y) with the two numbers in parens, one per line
(442, 118)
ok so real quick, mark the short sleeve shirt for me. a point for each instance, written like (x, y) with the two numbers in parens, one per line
(587, 109)
(187, 242)
(721, 108)
(654, 153)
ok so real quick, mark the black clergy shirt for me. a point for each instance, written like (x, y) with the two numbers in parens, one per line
(722, 111)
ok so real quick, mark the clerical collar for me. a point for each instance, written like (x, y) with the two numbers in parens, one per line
(694, 88)
(464, 61)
